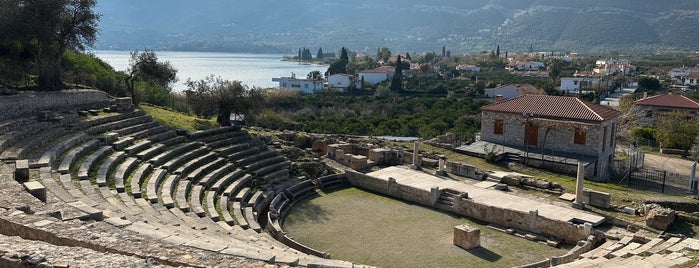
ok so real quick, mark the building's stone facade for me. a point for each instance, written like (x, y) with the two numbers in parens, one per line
(648, 115)
(557, 136)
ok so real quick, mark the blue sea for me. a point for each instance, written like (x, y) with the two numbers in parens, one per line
(253, 70)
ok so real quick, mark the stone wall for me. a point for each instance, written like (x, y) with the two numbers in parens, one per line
(30, 103)
(531, 221)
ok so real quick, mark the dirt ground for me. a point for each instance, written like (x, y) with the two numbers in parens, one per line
(671, 164)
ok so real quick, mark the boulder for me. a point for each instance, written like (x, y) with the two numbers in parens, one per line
(542, 184)
(659, 218)
(511, 180)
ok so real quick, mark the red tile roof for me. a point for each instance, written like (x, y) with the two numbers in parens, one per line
(672, 101)
(554, 107)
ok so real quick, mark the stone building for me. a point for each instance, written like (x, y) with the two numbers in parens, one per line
(649, 108)
(567, 127)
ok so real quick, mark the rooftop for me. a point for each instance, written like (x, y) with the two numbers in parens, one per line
(668, 100)
(554, 107)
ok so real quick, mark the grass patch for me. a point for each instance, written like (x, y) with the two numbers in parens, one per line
(177, 120)
(372, 229)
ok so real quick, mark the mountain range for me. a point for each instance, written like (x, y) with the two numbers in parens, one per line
(284, 26)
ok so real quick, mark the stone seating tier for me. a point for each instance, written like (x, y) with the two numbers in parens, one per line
(195, 200)
(167, 189)
(136, 128)
(194, 163)
(213, 176)
(165, 136)
(153, 184)
(108, 164)
(70, 156)
(173, 140)
(223, 181)
(228, 140)
(300, 190)
(183, 188)
(243, 196)
(138, 147)
(211, 205)
(238, 215)
(332, 181)
(225, 212)
(149, 132)
(113, 117)
(210, 132)
(89, 161)
(251, 150)
(113, 123)
(199, 172)
(122, 172)
(251, 218)
(284, 165)
(138, 178)
(232, 149)
(256, 157)
(237, 185)
(174, 163)
(122, 143)
(68, 141)
(265, 162)
(172, 152)
(153, 150)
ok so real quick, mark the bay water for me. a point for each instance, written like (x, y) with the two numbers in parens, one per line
(253, 70)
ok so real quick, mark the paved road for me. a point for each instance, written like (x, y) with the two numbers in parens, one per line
(613, 99)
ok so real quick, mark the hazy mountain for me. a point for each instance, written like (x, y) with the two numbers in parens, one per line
(408, 25)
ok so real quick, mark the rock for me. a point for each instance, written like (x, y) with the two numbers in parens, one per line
(542, 184)
(628, 210)
(660, 218)
(511, 180)
(501, 187)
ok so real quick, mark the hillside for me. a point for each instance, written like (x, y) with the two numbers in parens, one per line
(516, 25)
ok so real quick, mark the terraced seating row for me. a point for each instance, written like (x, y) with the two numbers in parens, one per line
(300, 190)
(203, 134)
(332, 181)
(107, 165)
(115, 122)
(138, 178)
(58, 149)
(87, 164)
(72, 154)
(18, 144)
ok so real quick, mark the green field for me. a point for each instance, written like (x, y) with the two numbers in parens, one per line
(371, 229)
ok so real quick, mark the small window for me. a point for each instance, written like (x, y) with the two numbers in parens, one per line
(580, 134)
(499, 127)
(649, 113)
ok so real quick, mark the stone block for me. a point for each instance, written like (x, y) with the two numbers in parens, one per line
(36, 189)
(467, 237)
(359, 162)
(22, 170)
(109, 138)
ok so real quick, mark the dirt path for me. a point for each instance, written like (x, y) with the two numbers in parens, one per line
(671, 164)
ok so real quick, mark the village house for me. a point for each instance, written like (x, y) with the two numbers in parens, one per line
(377, 75)
(468, 68)
(649, 108)
(526, 66)
(691, 79)
(308, 86)
(571, 129)
(512, 91)
(611, 67)
(683, 72)
(341, 81)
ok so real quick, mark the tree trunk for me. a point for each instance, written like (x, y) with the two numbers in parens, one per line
(49, 78)
(224, 117)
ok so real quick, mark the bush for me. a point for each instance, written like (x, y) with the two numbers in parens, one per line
(642, 132)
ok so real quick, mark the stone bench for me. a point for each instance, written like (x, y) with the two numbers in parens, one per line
(106, 166)
(89, 161)
(225, 213)
(167, 189)
(199, 172)
(195, 200)
(276, 176)
(243, 196)
(250, 217)
(173, 140)
(117, 122)
(214, 175)
(47, 159)
(46, 178)
(255, 200)
(332, 181)
(122, 143)
(211, 205)
(194, 163)
(237, 185)
(153, 184)
(136, 128)
(279, 205)
(150, 152)
(165, 136)
(285, 164)
(172, 164)
(183, 188)
(122, 173)
(24, 145)
(227, 140)
(138, 178)
(138, 147)
(199, 134)
(223, 181)
(72, 155)
(149, 132)
(251, 150)
(170, 153)
(230, 150)
(256, 157)
(300, 190)
(238, 215)
(265, 162)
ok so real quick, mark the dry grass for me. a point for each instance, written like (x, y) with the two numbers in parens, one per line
(176, 120)
(372, 229)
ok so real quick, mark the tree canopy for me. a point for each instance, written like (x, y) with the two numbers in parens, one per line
(223, 98)
(38, 33)
(145, 67)
(675, 130)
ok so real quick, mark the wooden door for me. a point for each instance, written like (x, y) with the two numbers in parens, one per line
(531, 135)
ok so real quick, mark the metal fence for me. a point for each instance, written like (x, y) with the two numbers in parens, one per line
(631, 172)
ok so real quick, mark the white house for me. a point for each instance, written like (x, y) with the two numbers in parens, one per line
(575, 83)
(526, 66)
(342, 81)
(378, 75)
(691, 79)
(512, 91)
(302, 85)
(468, 68)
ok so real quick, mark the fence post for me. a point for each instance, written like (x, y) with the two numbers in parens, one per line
(664, 175)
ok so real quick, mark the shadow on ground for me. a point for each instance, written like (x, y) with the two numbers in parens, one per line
(485, 254)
